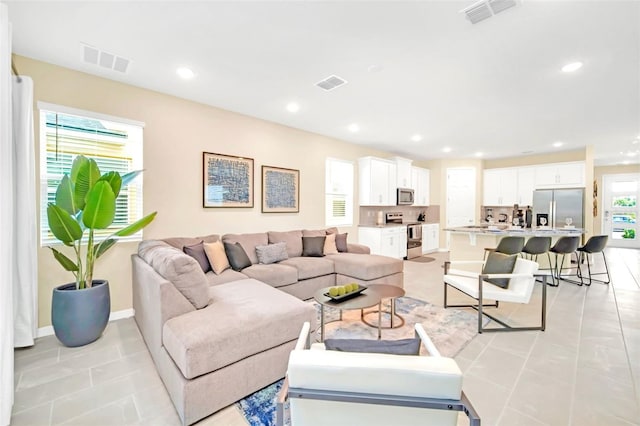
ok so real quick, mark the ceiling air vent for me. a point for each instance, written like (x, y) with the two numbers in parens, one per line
(481, 10)
(94, 56)
(331, 82)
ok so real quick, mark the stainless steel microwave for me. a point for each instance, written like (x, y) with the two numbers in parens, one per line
(405, 196)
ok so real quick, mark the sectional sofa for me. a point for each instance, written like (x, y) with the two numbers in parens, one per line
(218, 337)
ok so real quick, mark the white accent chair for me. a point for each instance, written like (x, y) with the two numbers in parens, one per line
(331, 387)
(521, 284)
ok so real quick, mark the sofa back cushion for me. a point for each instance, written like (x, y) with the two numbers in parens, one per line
(248, 243)
(314, 233)
(293, 239)
(181, 242)
(182, 270)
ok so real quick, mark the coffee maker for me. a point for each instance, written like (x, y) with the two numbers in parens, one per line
(518, 216)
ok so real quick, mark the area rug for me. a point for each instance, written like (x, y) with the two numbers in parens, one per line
(422, 259)
(449, 329)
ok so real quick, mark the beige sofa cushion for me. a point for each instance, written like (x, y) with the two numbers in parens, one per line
(226, 276)
(314, 233)
(248, 243)
(292, 238)
(182, 270)
(245, 318)
(310, 267)
(365, 266)
(274, 274)
(217, 256)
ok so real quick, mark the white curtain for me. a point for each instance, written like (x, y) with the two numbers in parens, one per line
(7, 205)
(25, 285)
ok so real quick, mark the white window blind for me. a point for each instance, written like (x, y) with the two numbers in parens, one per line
(114, 145)
(339, 192)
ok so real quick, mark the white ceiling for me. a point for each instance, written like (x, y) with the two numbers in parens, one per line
(494, 87)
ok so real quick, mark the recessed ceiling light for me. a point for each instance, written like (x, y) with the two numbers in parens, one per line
(446, 149)
(558, 144)
(416, 138)
(293, 107)
(574, 66)
(478, 154)
(353, 128)
(184, 72)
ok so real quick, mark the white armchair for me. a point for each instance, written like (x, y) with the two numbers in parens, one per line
(521, 284)
(331, 387)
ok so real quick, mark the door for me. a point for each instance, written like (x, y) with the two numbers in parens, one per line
(620, 209)
(461, 196)
(568, 208)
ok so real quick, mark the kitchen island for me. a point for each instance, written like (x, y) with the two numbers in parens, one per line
(469, 242)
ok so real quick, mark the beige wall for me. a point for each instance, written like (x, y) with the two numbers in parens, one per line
(598, 173)
(175, 135)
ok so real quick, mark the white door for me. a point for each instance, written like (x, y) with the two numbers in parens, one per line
(620, 209)
(461, 196)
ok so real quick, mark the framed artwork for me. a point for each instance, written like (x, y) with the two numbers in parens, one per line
(280, 190)
(227, 180)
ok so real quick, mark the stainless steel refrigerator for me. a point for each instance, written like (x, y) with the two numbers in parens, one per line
(556, 205)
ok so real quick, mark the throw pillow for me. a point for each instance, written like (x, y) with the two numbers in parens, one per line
(341, 242)
(197, 252)
(217, 256)
(396, 347)
(237, 256)
(313, 246)
(499, 263)
(272, 253)
(330, 244)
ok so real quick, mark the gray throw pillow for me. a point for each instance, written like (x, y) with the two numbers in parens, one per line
(197, 252)
(238, 258)
(499, 263)
(272, 253)
(313, 246)
(396, 347)
(341, 242)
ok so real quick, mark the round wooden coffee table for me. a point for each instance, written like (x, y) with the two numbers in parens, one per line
(386, 291)
(366, 299)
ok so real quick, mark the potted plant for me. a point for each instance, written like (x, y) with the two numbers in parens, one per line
(85, 201)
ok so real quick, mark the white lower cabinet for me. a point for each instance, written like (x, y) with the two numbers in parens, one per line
(430, 237)
(390, 241)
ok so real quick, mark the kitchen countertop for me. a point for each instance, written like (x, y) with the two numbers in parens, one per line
(394, 225)
(504, 230)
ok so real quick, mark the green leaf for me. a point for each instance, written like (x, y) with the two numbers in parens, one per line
(63, 225)
(100, 209)
(78, 163)
(128, 177)
(136, 226)
(86, 177)
(66, 263)
(64, 195)
(101, 248)
(114, 180)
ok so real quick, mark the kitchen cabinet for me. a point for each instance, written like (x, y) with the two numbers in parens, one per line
(420, 181)
(430, 237)
(500, 187)
(560, 175)
(385, 241)
(526, 185)
(377, 181)
(403, 172)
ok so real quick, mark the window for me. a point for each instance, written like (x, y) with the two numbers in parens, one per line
(115, 144)
(339, 192)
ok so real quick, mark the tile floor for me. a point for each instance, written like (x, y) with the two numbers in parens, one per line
(584, 370)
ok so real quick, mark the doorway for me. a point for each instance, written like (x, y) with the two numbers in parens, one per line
(620, 209)
(461, 197)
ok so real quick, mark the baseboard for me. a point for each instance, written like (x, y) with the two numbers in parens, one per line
(113, 316)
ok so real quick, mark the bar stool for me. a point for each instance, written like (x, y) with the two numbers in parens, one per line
(507, 245)
(564, 246)
(595, 244)
(536, 246)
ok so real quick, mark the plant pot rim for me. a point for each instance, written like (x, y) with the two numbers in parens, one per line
(72, 285)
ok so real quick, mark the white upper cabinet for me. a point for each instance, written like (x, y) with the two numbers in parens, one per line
(560, 175)
(526, 185)
(377, 181)
(420, 181)
(500, 187)
(403, 172)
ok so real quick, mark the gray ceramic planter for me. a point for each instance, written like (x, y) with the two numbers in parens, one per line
(80, 316)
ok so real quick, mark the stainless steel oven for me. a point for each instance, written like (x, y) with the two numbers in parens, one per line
(414, 240)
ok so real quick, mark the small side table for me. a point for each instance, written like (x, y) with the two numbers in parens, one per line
(386, 291)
